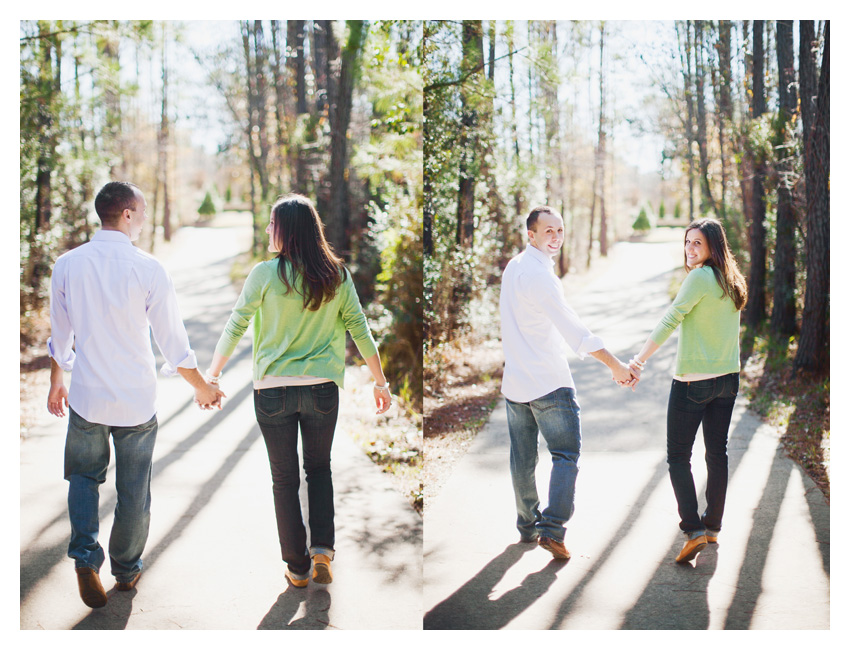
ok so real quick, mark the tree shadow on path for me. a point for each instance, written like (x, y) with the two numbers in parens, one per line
(317, 605)
(470, 607)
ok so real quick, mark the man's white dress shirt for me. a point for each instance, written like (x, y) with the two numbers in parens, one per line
(106, 298)
(536, 322)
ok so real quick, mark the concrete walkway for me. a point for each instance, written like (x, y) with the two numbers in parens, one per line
(770, 569)
(213, 560)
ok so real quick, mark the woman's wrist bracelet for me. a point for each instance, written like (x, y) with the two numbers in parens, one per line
(640, 364)
(211, 378)
(384, 387)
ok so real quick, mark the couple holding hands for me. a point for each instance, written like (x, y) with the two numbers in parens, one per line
(107, 296)
(540, 391)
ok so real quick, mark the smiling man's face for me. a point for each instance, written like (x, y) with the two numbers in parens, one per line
(548, 234)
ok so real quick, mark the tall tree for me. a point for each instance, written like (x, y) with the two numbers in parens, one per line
(296, 59)
(686, 55)
(599, 163)
(782, 322)
(706, 198)
(340, 116)
(254, 49)
(48, 87)
(725, 117)
(813, 349)
(473, 66)
(162, 141)
(754, 312)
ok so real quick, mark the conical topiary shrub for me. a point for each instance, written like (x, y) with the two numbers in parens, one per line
(641, 224)
(207, 208)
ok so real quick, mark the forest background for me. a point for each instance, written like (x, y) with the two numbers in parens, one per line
(222, 117)
(734, 119)
(625, 128)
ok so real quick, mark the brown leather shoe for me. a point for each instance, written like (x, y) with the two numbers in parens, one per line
(295, 582)
(557, 549)
(322, 569)
(691, 549)
(91, 591)
(127, 586)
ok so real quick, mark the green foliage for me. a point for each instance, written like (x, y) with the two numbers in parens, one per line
(64, 135)
(661, 210)
(641, 224)
(207, 207)
(389, 161)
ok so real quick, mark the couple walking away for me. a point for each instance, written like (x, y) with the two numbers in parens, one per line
(540, 392)
(107, 296)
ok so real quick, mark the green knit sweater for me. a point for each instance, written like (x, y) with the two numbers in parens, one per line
(290, 340)
(708, 342)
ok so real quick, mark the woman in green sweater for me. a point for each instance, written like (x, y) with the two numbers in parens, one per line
(302, 302)
(708, 308)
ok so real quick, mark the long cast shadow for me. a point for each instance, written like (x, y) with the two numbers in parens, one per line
(617, 538)
(35, 565)
(677, 598)
(470, 608)
(740, 613)
(317, 605)
(201, 500)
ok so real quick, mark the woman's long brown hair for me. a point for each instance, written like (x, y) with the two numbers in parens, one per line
(301, 235)
(721, 260)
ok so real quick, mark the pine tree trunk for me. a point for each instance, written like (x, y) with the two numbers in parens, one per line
(473, 57)
(707, 200)
(754, 313)
(783, 318)
(337, 222)
(813, 349)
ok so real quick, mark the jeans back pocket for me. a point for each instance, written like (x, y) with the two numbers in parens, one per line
(701, 392)
(325, 398)
(271, 401)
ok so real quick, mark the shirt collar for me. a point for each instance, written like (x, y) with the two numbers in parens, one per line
(540, 256)
(112, 236)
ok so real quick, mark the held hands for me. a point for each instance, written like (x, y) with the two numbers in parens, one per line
(625, 376)
(208, 396)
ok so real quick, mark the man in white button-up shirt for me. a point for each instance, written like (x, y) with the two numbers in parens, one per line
(537, 322)
(106, 298)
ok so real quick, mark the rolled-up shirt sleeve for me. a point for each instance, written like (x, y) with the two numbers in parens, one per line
(168, 330)
(60, 345)
(548, 296)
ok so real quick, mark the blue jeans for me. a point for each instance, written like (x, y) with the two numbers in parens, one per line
(709, 402)
(86, 462)
(280, 412)
(556, 417)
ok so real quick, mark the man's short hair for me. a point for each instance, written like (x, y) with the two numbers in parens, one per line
(113, 199)
(531, 222)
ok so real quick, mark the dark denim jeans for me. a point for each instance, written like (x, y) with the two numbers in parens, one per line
(708, 402)
(86, 462)
(280, 412)
(556, 417)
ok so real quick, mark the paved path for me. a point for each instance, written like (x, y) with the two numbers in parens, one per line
(770, 570)
(212, 559)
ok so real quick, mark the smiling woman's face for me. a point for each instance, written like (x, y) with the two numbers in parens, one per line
(697, 250)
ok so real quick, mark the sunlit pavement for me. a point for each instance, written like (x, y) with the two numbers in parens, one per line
(212, 560)
(770, 569)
